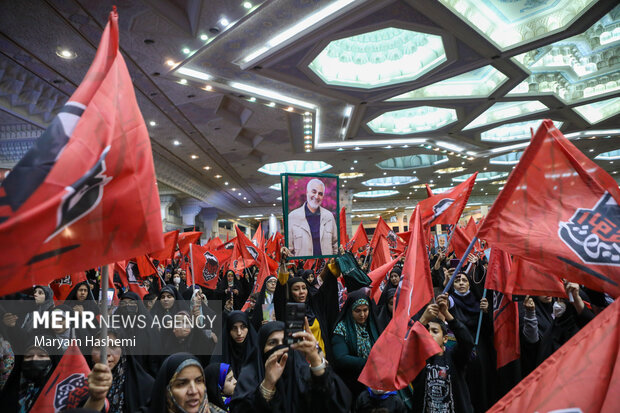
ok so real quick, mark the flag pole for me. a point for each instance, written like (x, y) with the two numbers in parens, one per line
(458, 267)
(191, 269)
(484, 295)
(104, 313)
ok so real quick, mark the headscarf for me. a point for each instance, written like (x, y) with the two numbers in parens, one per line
(215, 378)
(359, 338)
(309, 311)
(90, 304)
(257, 313)
(467, 302)
(384, 316)
(162, 399)
(159, 311)
(49, 298)
(291, 384)
(233, 353)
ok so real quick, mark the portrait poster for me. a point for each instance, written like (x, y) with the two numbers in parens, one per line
(310, 206)
(441, 242)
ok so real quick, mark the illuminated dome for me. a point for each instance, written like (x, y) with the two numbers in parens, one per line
(406, 121)
(379, 58)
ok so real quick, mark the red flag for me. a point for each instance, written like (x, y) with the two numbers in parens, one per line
(145, 266)
(186, 238)
(259, 239)
(170, 245)
(359, 240)
(273, 246)
(505, 310)
(526, 278)
(459, 242)
(71, 373)
(429, 191)
(205, 264)
(263, 272)
(382, 228)
(244, 252)
(381, 253)
(379, 278)
(582, 376)
(447, 207)
(344, 237)
(470, 229)
(214, 243)
(85, 194)
(560, 211)
(128, 278)
(63, 286)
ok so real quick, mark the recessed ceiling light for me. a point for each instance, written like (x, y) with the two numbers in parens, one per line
(183, 81)
(226, 183)
(355, 161)
(290, 109)
(384, 173)
(247, 5)
(591, 150)
(274, 204)
(194, 156)
(170, 62)
(204, 37)
(462, 163)
(357, 148)
(218, 176)
(233, 189)
(239, 193)
(66, 54)
(176, 142)
(206, 168)
(186, 50)
(208, 88)
(271, 104)
(352, 168)
(245, 197)
(484, 169)
(340, 149)
(252, 99)
(224, 21)
(153, 123)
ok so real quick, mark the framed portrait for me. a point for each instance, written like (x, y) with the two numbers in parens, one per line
(441, 242)
(310, 206)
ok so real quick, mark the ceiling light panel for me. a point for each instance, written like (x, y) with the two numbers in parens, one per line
(599, 111)
(609, 156)
(506, 110)
(411, 162)
(390, 181)
(375, 194)
(379, 58)
(449, 170)
(475, 84)
(507, 159)
(511, 23)
(484, 176)
(278, 168)
(412, 120)
(514, 131)
(577, 68)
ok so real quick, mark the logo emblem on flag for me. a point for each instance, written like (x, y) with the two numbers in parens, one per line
(65, 387)
(252, 251)
(593, 234)
(209, 272)
(83, 196)
(440, 207)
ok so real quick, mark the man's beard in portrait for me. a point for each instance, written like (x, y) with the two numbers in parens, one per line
(313, 204)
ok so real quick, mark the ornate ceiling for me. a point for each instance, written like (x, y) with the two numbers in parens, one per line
(398, 93)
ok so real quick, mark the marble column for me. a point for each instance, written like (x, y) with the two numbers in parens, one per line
(346, 200)
(209, 219)
(165, 202)
(190, 207)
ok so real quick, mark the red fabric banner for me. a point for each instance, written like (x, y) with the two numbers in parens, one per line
(205, 264)
(133, 283)
(402, 349)
(382, 228)
(344, 237)
(186, 238)
(429, 191)
(63, 286)
(447, 207)
(359, 239)
(505, 310)
(526, 278)
(170, 245)
(378, 278)
(85, 194)
(560, 211)
(581, 376)
(70, 374)
(258, 239)
(381, 253)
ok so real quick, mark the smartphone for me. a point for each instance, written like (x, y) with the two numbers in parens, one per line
(294, 320)
(454, 263)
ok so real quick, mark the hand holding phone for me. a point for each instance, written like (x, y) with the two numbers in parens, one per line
(294, 319)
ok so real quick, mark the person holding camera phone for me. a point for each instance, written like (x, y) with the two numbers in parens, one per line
(293, 378)
(321, 308)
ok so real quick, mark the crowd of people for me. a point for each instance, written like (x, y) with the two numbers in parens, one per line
(252, 366)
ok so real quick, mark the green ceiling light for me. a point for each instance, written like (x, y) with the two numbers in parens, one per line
(379, 58)
(599, 111)
(484, 176)
(506, 110)
(509, 23)
(609, 156)
(411, 162)
(576, 68)
(390, 181)
(511, 158)
(412, 120)
(514, 131)
(475, 84)
(278, 168)
(375, 194)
